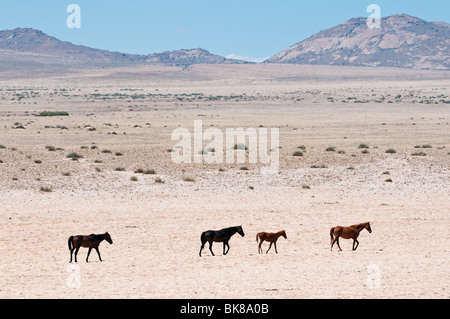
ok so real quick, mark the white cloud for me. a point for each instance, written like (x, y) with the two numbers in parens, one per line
(244, 58)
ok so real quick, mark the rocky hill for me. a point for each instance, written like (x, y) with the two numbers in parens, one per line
(402, 41)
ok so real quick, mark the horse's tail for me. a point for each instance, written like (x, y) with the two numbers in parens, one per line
(203, 238)
(332, 234)
(70, 242)
(257, 237)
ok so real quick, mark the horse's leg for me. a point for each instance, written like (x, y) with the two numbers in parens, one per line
(89, 252)
(210, 247)
(225, 244)
(76, 253)
(275, 245)
(355, 241)
(269, 247)
(337, 242)
(201, 248)
(259, 247)
(98, 252)
(71, 252)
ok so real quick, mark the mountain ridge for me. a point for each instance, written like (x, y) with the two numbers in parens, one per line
(32, 41)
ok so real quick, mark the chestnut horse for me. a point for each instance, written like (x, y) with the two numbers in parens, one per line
(351, 232)
(270, 237)
(91, 241)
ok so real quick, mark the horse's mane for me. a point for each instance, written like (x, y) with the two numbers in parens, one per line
(231, 228)
(359, 225)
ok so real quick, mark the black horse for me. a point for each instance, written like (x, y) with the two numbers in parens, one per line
(223, 235)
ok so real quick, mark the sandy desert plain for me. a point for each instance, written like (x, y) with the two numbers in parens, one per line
(121, 121)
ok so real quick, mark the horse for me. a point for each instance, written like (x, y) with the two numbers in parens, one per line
(270, 237)
(223, 235)
(91, 241)
(351, 232)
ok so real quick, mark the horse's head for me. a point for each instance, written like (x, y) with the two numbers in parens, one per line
(283, 233)
(369, 229)
(240, 231)
(108, 238)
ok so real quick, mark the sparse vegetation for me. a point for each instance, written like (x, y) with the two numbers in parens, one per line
(297, 154)
(331, 149)
(46, 189)
(391, 151)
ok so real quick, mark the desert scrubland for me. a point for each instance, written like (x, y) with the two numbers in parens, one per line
(108, 167)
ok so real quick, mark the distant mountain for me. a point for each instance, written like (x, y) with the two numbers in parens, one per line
(402, 41)
(35, 42)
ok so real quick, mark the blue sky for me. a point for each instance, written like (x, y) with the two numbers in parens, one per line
(246, 28)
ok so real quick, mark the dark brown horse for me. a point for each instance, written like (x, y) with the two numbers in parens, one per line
(91, 241)
(351, 232)
(270, 237)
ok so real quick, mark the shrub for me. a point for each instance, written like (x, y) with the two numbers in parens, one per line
(133, 179)
(363, 146)
(419, 154)
(38, 162)
(46, 189)
(391, 151)
(74, 156)
(297, 153)
(188, 179)
(58, 113)
(240, 147)
(243, 168)
(119, 169)
(159, 180)
(319, 166)
(331, 149)
(150, 172)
